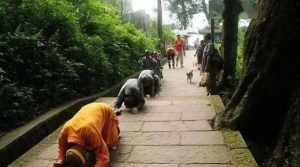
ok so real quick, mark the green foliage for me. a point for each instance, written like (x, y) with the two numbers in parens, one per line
(169, 35)
(253, 3)
(249, 7)
(240, 66)
(185, 9)
(216, 8)
(53, 51)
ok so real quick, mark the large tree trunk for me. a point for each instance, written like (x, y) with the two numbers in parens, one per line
(231, 20)
(160, 28)
(266, 105)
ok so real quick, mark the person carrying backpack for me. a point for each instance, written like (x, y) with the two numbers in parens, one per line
(214, 66)
(171, 53)
(199, 54)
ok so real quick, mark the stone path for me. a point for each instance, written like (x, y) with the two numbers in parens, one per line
(172, 131)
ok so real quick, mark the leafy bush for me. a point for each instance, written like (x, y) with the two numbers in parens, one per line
(53, 51)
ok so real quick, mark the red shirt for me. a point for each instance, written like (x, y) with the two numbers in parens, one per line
(179, 45)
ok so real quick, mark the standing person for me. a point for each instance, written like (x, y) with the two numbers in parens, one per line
(180, 49)
(207, 45)
(171, 53)
(196, 43)
(93, 130)
(199, 54)
(213, 67)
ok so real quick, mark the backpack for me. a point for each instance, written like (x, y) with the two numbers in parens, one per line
(217, 60)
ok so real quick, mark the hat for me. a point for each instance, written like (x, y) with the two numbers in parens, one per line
(75, 156)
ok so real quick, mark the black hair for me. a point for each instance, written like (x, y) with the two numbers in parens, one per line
(207, 36)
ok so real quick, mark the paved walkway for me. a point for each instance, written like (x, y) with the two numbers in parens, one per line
(172, 131)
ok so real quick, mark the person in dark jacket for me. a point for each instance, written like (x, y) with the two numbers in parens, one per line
(131, 94)
(199, 54)
(147, 82)
(213, 67)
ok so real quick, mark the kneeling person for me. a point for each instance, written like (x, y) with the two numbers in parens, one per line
(157, 83)
(131, 95)
(93, 130)
(148, 81)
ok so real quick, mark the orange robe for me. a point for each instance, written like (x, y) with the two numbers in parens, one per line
(94, 128)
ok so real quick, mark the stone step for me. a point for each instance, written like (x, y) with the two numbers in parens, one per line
(179, 154)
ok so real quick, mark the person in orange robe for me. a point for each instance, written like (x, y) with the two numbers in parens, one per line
(95, 128)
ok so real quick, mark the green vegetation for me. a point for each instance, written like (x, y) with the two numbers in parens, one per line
(168, 34)
(53, 51)
(184, 10)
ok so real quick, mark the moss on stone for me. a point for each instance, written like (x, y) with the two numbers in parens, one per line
(217, 104)
(243, 158)
(234, 139)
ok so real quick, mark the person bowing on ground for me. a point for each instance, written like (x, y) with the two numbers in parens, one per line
(131, 94)
(88, 136)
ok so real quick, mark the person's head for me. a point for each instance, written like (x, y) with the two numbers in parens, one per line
(75, 157)
(177, 36)
(202, 42)
(207, 37)
(158, 54)
(147, 53)
(130, 102)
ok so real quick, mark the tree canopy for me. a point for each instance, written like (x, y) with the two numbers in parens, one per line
(185, 9)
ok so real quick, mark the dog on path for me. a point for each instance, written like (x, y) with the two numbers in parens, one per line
(189, 76)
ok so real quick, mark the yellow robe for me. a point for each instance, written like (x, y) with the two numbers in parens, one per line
(95, 128)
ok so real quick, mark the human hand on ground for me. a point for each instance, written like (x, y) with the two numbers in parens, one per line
(58, 164)
(114, 148)
(118, 111)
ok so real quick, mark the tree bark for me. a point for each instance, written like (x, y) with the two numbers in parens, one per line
(160, 28)
(231, 19)
(265, 107)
